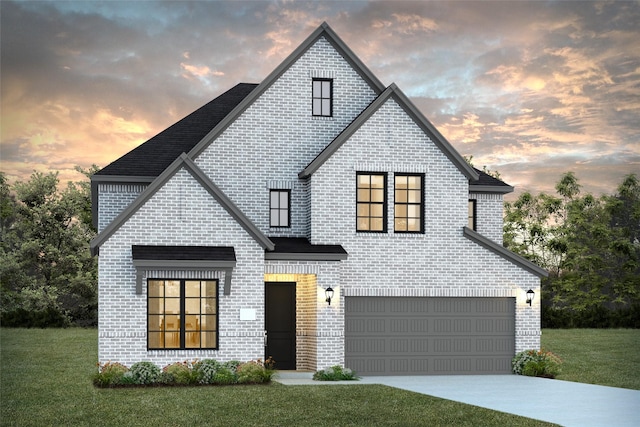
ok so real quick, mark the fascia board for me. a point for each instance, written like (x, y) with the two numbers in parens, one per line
(437, 138)
(229, 206)
(349, 56)
(297, 256)
(162, 179)
(146, 194)
(168, 264)
(504, 253)
(282, 256)
(323, 30)
(501, 189)
(345, 135)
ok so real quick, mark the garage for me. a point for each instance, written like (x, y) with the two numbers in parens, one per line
(429, 336)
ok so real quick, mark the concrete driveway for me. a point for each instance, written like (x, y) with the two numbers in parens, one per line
(561, 402)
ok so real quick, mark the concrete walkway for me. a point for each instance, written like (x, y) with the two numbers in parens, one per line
(560, 402)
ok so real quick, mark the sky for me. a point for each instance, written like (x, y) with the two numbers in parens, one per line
(531, 89)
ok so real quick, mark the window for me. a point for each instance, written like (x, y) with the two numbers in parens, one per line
(322, 95)
(472, 215)
(280, 208)
(371, 204)
(409, 203)
(182, 314)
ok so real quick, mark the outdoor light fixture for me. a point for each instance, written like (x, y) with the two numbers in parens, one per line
(530, 295)
(329, 294)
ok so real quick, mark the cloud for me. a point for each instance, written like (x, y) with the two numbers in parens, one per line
(531, 89)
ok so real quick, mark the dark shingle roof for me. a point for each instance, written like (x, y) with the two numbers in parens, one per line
(183, 253)
(302, 245)
(152, 157)
(486, 181)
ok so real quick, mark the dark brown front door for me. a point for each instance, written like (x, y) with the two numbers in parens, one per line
(280, 308)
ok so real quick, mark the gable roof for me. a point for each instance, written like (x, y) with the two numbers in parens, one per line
(183, 161)
(324, 30)
(397, 95)
(155, 155)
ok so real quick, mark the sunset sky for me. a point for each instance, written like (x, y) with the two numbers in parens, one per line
(531, 89)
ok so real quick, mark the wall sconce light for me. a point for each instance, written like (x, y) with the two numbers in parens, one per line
(329, 294)
(530, 295)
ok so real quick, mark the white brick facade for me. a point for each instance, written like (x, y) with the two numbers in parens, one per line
(266, 147)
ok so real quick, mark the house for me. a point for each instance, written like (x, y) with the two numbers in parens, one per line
(318, 218)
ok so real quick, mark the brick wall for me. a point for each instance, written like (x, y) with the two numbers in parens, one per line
(113, 199)
(489, 215)
(180, 213)
(276, 137)
(440, 262)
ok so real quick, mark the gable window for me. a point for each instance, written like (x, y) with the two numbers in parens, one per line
(409, 203)
(182, 314)
(371, 203)
(471, 223)
(322, 97)
(280, 208)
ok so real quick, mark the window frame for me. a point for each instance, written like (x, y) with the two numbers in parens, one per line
(279, 209)
(321, 97)
(384, 202)
(421, 203)
(182, 314)
(474, 214)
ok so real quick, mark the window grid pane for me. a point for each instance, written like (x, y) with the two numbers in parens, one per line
(322, 97)
(280, 208)
(409, 205)
(371, 202)
(179, 322)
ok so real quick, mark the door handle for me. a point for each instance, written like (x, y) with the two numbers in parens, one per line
(265, 338)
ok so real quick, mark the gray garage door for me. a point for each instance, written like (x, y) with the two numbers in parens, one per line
(429, 336)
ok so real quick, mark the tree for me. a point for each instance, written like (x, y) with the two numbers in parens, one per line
(590, 245)
(48, 275)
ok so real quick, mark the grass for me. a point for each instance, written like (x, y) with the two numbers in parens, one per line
(46, 380)
(608, 357)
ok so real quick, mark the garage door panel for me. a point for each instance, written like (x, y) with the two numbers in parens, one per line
(434, 335)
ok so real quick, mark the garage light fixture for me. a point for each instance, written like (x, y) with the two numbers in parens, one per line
(530, 295)
(329, 294)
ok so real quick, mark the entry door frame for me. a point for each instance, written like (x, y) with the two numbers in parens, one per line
(284, 340)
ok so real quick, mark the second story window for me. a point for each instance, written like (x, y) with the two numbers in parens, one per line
(280, 208)
(472, 215)
(322, 94)
(371, 202)
(409, 203)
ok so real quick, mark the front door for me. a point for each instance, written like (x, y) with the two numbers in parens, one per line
(280, 308)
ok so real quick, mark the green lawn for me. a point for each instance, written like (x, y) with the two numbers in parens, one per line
(597, 356)
(45, 380)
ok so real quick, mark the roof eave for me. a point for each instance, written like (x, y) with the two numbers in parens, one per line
(505, 253)
(196, 172)
(323, 30)
(500, 189)
(301, 256)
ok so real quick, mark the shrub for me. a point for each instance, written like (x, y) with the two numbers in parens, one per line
(225, 376)
(144, 373)
(335, 373)
(109, 374)
(181, 373)
(206, 370)
(254, 372)
(534, 363)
